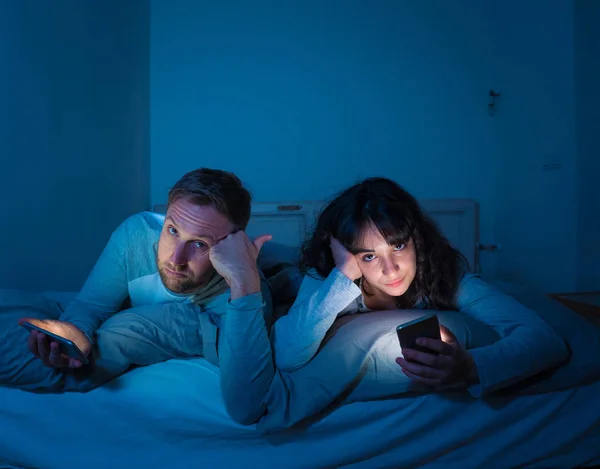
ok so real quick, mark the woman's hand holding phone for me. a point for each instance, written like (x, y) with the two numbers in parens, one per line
(448, 363)
(49, 350)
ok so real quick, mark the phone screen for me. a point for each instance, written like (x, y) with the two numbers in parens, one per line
(425, 327)
(67, 347)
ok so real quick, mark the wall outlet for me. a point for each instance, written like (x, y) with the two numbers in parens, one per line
(551, 166)
(552, 161)
(490, 247)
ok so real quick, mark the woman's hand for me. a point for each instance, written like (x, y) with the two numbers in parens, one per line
(448, 364)
(344, 260)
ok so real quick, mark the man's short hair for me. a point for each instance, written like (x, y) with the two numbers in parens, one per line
(222, 190)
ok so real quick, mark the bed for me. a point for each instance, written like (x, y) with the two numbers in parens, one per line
(171, 415)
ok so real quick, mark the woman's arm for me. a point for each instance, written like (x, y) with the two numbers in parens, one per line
(298, 335)
(528, 345)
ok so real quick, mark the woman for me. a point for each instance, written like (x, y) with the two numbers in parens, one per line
(374, 249)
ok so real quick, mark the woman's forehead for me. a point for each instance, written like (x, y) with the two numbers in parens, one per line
(370, 237)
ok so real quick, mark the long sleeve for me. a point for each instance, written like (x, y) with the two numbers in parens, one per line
(528, 345)
(245, 356)
(105, 289)
(298, 335)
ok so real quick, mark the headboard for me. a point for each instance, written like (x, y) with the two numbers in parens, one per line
(289, 222)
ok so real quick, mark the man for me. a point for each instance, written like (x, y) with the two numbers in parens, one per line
(194, 288)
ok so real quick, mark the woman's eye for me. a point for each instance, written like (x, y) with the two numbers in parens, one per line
(368, 257)
(399, 247)
(172, 231)
(199, 245)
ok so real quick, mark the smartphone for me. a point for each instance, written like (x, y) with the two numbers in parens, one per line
(426, 327)
(67, 347)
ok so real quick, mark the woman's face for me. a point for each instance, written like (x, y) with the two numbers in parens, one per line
(390, 269)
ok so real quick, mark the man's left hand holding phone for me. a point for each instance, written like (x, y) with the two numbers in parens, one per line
(58, 344)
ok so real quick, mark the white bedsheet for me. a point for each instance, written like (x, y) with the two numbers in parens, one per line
(170, 415)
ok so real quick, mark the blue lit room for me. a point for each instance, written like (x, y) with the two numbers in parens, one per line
(300, 234)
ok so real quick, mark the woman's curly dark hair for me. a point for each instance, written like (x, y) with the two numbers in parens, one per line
(382, 203)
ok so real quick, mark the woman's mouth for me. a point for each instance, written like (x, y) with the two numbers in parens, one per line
(395, 283)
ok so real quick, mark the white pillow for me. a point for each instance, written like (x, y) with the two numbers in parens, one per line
(357, 363)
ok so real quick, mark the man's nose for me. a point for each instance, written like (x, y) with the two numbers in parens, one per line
(178, 257)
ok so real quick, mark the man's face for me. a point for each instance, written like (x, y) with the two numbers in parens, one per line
(188, 233)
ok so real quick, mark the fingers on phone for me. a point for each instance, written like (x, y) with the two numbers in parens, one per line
(32, 343)
(55, 358)
(43, 347)
(74, 363)
(421, 357)
(433, 344)
(420, 370)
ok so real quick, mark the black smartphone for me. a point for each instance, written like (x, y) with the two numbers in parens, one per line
(425, 327)
(67, 347)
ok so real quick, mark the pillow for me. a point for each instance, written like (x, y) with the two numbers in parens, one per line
(17, 365)
(61, 297)
(356, 362)
(273, 254)
(22, 303)
(279, 264)
(581, 336)
(381, 376)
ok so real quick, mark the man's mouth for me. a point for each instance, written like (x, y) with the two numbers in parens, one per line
(174, 274)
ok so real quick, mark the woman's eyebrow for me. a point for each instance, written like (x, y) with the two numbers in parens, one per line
(361, 250)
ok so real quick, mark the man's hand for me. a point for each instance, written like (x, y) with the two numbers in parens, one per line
(345, 261)
(451, 365)
(234, 258)
(48, 350)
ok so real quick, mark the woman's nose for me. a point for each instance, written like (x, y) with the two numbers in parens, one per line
(390, 266)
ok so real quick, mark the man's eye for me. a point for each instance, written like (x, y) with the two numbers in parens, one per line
(172, 231)
(368, 257)
(199, 245)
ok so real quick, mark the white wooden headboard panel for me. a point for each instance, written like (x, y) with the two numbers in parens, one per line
(290, 222)
(458, 220)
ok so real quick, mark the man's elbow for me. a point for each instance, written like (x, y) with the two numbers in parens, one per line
(556, 347)
(244, 415)
(289, 362)
(287, 359)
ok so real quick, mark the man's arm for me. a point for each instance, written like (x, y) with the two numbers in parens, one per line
(244, 348)
(101, 296)
(245, 357)
(105, 289)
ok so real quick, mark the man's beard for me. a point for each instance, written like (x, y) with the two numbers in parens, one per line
(178, 285)
(183, 284)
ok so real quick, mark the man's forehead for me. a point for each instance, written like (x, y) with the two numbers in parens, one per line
(199, 220)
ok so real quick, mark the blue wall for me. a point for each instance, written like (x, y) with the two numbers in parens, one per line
(536, 220)
(303, 98)
(300, 99)
(587, 76)
(74, 122)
